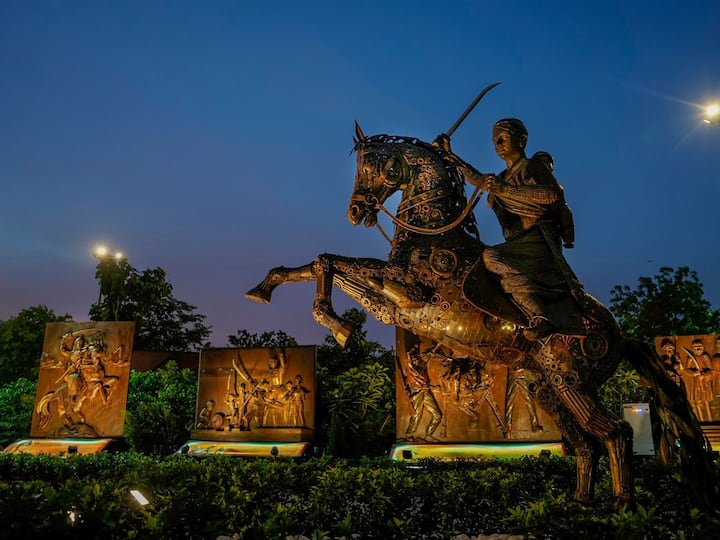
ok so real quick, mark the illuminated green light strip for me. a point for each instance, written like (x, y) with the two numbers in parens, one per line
(460, 451)
(248, 449)
(57, 446)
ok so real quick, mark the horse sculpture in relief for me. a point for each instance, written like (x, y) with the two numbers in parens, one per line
(435, 286)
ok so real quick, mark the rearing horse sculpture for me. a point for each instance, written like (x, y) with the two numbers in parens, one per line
(435, 286)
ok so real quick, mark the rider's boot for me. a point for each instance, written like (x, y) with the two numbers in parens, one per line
(542, 323)
(540, 327)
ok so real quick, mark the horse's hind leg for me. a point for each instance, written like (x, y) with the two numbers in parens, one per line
(586, 447)
(278, 276)
(615, 434)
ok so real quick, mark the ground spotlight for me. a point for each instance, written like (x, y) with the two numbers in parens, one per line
(139, 497)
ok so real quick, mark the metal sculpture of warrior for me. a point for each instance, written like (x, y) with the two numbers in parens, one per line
(435, 285)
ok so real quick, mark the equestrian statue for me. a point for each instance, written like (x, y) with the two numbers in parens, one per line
(516, 304)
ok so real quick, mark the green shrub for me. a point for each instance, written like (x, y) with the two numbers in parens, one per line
(361, 403)
(373, 498)
(16, 406)
(160, 409)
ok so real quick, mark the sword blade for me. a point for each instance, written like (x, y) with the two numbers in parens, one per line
(470, 108)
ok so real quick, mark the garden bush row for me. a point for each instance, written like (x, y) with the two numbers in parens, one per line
(264, 498)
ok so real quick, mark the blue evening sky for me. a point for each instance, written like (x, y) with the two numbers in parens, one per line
(213, 139)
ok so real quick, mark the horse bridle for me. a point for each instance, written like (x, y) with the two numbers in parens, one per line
(369, 200)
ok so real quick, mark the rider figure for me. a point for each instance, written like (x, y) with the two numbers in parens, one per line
(530, 206)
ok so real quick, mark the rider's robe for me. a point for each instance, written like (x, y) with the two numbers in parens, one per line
(530, 213)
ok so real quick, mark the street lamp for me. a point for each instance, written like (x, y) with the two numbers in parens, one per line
(102, 253)
(712, 114)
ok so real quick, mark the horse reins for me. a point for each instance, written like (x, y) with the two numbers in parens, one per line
(421, 230)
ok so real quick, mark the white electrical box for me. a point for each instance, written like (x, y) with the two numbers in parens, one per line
(638, 416)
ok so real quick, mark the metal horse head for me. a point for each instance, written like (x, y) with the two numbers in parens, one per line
(433, 191)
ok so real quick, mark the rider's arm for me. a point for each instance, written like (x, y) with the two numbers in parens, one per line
(475, 177)
(529, 193)
(531, 184)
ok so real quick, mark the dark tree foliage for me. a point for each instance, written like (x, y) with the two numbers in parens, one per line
(274, 338)
(16, 407)
(21, 342)
(355, 413)
(160, 409)
(333, 359)
(162, 322)
(670, 303)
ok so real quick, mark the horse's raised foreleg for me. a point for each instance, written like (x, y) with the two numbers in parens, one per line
(279, 276)
(323, 311)
(321, 271)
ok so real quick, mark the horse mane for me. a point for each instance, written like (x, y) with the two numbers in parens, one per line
(451, 162)
(385, 139)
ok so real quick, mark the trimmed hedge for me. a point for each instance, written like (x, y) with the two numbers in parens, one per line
(373, 498)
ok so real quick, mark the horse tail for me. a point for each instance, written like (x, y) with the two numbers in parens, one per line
(680, 428)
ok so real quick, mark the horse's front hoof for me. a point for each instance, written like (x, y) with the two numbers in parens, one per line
(259, 294)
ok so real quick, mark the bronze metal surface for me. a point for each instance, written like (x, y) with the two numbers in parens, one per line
(83, 380)
(258, 394)
(469, 402)
(694, 360)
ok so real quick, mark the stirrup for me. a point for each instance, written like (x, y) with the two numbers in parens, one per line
(540, 327)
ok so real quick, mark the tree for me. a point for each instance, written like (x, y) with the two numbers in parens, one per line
(21, 342)
(671, 303)
(162, 322)
(274, 338)
(361, 407)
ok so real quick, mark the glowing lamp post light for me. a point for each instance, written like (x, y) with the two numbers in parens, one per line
(712, 114)
(102, 253)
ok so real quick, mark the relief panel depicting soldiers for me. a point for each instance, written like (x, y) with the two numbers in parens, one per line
(694, 361)
(83, 380)
(263, 394)
(441, 398)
